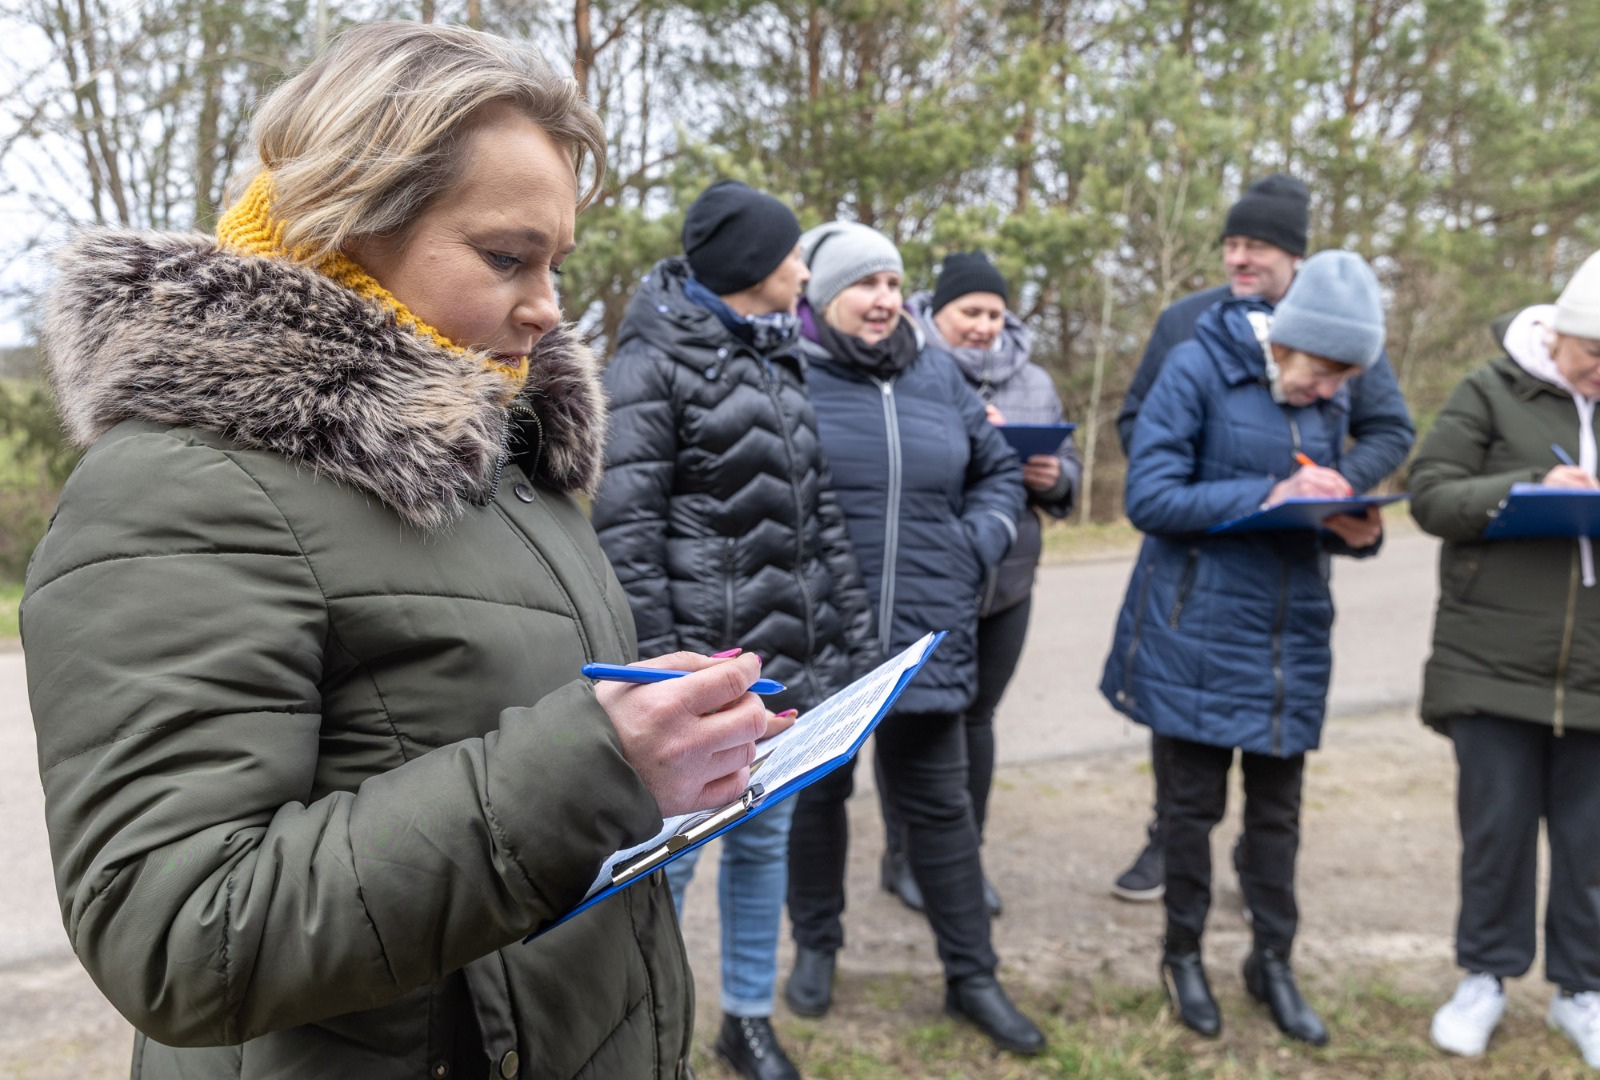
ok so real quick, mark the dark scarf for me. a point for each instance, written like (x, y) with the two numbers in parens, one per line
(763, 333)
(884, 360)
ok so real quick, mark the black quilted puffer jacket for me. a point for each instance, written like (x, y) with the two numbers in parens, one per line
(716, 508)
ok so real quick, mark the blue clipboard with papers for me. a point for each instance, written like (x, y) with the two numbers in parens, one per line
(1301, 513)
(1536, 510)
(819, 741)
(1031, 439)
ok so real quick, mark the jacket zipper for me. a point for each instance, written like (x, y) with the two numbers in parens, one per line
(504, 455)
(728, 563)
(770, 378)
(891, 515)
(1191, 569)
(1277, 658)
(1566, 645)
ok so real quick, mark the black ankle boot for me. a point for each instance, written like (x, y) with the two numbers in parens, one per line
(1184, 976)
(1269, 979)
(894, 874)
(809, 990)
(980, 1000)
(991, 898)
(749, 1047)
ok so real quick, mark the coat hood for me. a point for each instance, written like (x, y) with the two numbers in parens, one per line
(984, 368)
(165, 327)
(662, 314)
(1229, 339)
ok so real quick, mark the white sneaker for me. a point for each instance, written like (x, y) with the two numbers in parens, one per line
(1464, 1023)
(1578, 1018)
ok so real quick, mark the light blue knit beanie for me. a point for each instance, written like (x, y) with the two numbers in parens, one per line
(1332, 310)
(841, 253)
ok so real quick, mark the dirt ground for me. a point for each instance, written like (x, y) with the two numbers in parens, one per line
(1377, 890)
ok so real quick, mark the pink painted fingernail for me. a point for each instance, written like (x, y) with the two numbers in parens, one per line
(785, 714)
(725, 654)
(758, 661)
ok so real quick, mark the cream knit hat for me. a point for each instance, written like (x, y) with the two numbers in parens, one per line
(1578, 309)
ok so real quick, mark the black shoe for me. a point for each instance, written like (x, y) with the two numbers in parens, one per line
(991, 899)
(979, 1000)
(1146, 879)
(1268, 978)
(748, 1046)
(894, 874)
(1184, 976)
(809, 990)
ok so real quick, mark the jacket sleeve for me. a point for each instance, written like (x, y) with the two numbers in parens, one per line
(1380, 426)
(1162, 341)
(993, 495)
(176, 641)
(1162, 495)
(630, 509)
(1450, 497)
(849, 590)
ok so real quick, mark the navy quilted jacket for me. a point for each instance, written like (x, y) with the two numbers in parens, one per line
(1224, 640)
(715, 509)
(931, 494)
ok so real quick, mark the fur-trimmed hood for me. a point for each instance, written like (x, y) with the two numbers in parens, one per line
(168, 328)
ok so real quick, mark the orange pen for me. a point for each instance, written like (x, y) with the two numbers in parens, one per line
(1303, 459)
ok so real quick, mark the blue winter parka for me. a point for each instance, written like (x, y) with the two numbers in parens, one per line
(931, 495)
(1224, 640)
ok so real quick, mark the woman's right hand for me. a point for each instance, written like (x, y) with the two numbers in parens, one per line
(1310, 482)
(691, 740)
(993, 414)
(1568, 476)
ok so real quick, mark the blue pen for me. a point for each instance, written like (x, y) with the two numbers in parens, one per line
(1562, 456)
(632, 674)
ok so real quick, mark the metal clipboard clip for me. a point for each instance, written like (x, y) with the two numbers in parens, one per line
(695, 833)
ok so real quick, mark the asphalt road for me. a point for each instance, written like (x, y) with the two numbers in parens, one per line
(1052, 711)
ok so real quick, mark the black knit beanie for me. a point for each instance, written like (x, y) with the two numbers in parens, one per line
(964, 272)
(1275, 209)
(735, 236)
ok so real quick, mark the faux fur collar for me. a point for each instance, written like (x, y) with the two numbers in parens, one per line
(167, 328)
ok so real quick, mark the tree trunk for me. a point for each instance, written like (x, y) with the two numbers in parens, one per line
(583, 51)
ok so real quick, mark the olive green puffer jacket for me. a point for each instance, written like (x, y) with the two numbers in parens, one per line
(1516, 633)
(302, 651)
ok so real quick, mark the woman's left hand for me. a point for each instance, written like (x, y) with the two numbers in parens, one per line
(1358, 532)
(1041, 472)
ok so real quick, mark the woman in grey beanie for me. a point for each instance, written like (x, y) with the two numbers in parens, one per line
(1514, 677)
(931, 495)
(1222, 643)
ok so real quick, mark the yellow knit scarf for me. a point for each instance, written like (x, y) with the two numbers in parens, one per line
(249, 228)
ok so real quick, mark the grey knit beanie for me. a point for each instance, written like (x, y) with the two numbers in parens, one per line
(1578, 309)
(1332, 310)
(840, 254)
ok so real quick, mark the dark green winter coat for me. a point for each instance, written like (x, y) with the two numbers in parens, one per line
(1516, 633)
(302, 651)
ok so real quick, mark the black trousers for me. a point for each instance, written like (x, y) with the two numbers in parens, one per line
(1512, 773)
(924, 769)
(1196, 787)
(1000, 639)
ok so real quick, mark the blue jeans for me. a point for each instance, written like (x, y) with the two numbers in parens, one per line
(750, 892)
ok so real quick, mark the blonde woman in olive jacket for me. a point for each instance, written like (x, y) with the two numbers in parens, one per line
(303, 639)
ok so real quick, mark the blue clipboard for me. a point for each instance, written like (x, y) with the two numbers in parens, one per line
(1030, 439)
(626, 871)
(1301, 513)
(1536, 510)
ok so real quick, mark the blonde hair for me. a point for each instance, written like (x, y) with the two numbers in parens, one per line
(360, 142)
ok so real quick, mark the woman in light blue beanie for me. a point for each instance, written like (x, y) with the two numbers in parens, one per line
(1223, 642)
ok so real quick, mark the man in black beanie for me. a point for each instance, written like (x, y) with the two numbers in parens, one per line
(1263, 240)
(735, 236)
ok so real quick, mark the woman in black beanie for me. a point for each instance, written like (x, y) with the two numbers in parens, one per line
(717, 512)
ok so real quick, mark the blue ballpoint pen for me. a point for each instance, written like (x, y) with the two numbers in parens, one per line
(1562, 456)
(632, 674)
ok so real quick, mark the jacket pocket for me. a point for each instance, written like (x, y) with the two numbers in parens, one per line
(1463, 572)
(1191, 570)
(1125, 694)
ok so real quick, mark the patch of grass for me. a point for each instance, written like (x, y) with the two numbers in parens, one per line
(1111, 1031)
(10, 598)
